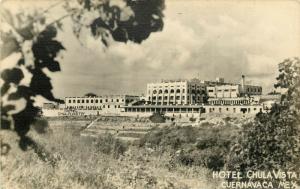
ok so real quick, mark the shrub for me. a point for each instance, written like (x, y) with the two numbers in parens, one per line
(157, 118)
(192, 119)
(271, 141)
(108, 144)
(192, 146)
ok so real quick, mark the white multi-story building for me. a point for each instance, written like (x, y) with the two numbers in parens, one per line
(228, 90)
(105, 104)
(173, 92)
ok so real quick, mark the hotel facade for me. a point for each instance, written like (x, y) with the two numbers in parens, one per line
(172, 92)
(176, 98)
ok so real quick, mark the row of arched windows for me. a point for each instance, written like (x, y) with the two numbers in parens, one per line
(177, 91)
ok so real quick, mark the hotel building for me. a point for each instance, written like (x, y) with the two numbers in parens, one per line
(171, 92)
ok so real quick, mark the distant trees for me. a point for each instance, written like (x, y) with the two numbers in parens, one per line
(90, 95)
(30, 37)
(271, 141)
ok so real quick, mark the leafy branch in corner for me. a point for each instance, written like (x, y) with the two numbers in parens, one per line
(31, 37)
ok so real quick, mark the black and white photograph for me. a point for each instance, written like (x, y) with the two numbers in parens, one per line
(150, 94)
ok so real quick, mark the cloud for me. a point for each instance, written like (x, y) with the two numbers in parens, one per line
(207, 38)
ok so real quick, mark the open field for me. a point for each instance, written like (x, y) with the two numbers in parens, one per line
(103, 161)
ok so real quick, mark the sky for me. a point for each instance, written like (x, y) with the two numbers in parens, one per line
(204, 39)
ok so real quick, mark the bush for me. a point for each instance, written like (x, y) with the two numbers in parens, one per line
(192, 146)
(157, 118)
(108, 144)
(271, 141)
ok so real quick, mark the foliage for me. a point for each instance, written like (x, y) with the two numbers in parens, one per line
(157, 117)
(192, 146)
(90, 95)
(32, 38)
(79, 164)
(108, 144)
(271, 141)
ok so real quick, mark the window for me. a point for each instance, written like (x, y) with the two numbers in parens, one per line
(160, 91)
(82, 101)
(106, 100)
(227, 109)
(183, 90)
(220, 109)
(117, 100)
(166, 91)
(78, 101)
(101, 101)
(115, 106)
(210, 90)
(87, 101)
(172, 91)
(226, 90)
(112, 100)
(103, 106)
(178, 91)
(74, 101)
(234, 110)
(70, 101)
(108, 106)
(119, 106)
(154, 92)
(96, 101)
(92, 101)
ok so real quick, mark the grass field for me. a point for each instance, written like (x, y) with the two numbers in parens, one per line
(103, 161)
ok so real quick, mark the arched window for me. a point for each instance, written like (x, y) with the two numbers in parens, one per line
(160, 91)
(166, 91)
(178, 91)
(193, 91)
(154, 92)
(172, 91)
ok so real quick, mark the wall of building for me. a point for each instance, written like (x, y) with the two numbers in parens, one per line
(233, 91)
(103, 104)
(234, 109)
(232, 101)
(175, 92)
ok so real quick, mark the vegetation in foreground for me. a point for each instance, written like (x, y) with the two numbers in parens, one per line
(71, 161)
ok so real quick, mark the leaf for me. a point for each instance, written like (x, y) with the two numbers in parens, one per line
(7, 108)
(120, 35)
(24, 118)
(40, 84)
(54, 66)
(14, 75)
(96, 24)
(45, 50)
(4, 88)
(22, 92)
